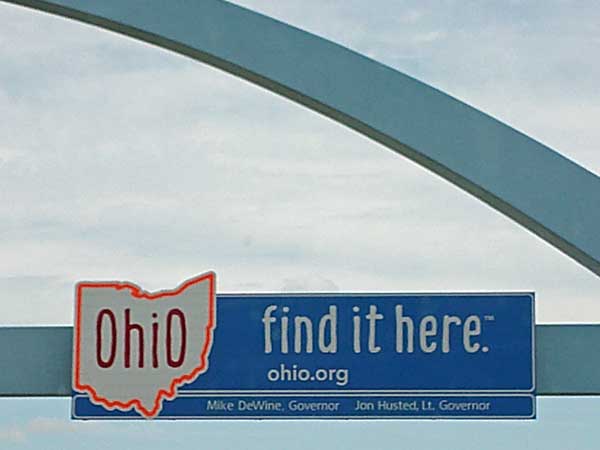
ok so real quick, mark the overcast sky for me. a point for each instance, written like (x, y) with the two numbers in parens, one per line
(123, 161)
(119, 160)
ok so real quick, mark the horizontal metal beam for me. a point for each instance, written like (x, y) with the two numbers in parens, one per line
(36, 361)
(568, 359)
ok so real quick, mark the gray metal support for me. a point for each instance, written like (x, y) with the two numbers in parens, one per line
(568, 359)
(36, 361)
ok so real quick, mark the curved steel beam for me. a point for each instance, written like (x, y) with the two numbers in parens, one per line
(530, 183)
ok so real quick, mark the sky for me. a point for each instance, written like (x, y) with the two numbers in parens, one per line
(275, 197)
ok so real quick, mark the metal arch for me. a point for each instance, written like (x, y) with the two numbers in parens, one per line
(527, 181)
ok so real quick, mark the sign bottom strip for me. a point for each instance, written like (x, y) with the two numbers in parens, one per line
(228, 406)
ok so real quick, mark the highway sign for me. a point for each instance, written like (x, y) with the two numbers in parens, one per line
(189, 353)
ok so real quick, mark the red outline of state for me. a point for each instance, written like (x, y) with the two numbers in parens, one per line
(138, 293)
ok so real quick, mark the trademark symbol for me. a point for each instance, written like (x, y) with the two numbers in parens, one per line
(489, 318)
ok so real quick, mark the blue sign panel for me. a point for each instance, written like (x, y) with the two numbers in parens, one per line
(355, 356)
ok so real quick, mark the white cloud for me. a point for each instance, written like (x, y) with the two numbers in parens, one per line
(428, 37)
(309, 283)
(12, 435)
(48, 426)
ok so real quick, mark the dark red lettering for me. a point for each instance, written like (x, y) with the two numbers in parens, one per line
(154, 342)
(113, 338)
(183, 339)
(129, 328)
